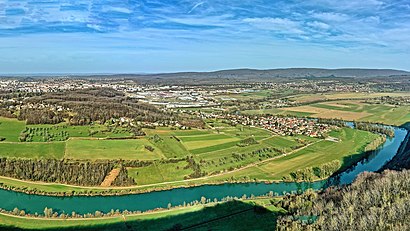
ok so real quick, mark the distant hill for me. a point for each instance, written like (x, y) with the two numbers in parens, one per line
(280, 73)
(245, 74)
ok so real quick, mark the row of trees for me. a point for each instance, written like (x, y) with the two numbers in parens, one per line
(85, 173)
(247, 141)
(6, 113)
(375, 201)
(375, 143)
(374, 128)
(336, 122)
(196, 167)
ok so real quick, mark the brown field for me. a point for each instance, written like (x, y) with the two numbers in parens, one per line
(339, 104)
(352, 95)
(329, 113)
(110, 177)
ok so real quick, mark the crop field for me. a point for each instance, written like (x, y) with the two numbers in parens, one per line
(278, 111)
(352, 95)
(110, 149)
(346, 110)
(357, 110)
(329, 113)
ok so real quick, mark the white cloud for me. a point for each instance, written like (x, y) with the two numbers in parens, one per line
(319, 25)
(195, 6)
(219, 21)
(331, 16)
(116, 9)
(281, 25)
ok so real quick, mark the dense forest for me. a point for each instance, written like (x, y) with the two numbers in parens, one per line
(375, 201)
(92, 105)
(83, 173)
(41, 116)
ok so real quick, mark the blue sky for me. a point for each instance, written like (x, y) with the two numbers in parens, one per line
(118, 36)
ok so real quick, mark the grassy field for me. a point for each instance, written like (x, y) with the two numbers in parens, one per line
(10, 129)
(60, 132)
(216, 148)
(235, 215)
(53, 150)
(157, 173)
(111, 149)
(81, 145)
(208, 141)
(170, 147)
(347, 150)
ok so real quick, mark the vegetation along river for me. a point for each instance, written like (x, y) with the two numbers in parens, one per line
(142, 202)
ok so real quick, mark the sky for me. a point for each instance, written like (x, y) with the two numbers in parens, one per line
(152, 36)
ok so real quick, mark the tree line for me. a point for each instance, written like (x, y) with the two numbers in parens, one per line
(374, 128)
(84, 173)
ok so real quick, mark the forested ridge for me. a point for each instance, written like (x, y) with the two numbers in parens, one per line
(375, 201)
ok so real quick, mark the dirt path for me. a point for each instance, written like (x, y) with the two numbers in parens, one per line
(110, 177)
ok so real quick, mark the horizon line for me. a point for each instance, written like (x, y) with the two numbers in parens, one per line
(187, 71)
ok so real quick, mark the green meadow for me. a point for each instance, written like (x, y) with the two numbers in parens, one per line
(10, 129)
(54, 150)
(216, 149)
(61, 132)
(111, 149)
(347, 150)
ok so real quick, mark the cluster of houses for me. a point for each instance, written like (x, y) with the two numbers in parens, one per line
(284, 126)
(288, 126)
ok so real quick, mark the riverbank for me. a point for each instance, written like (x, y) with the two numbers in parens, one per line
(218, 214)
(401, 160)
(40, 223)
